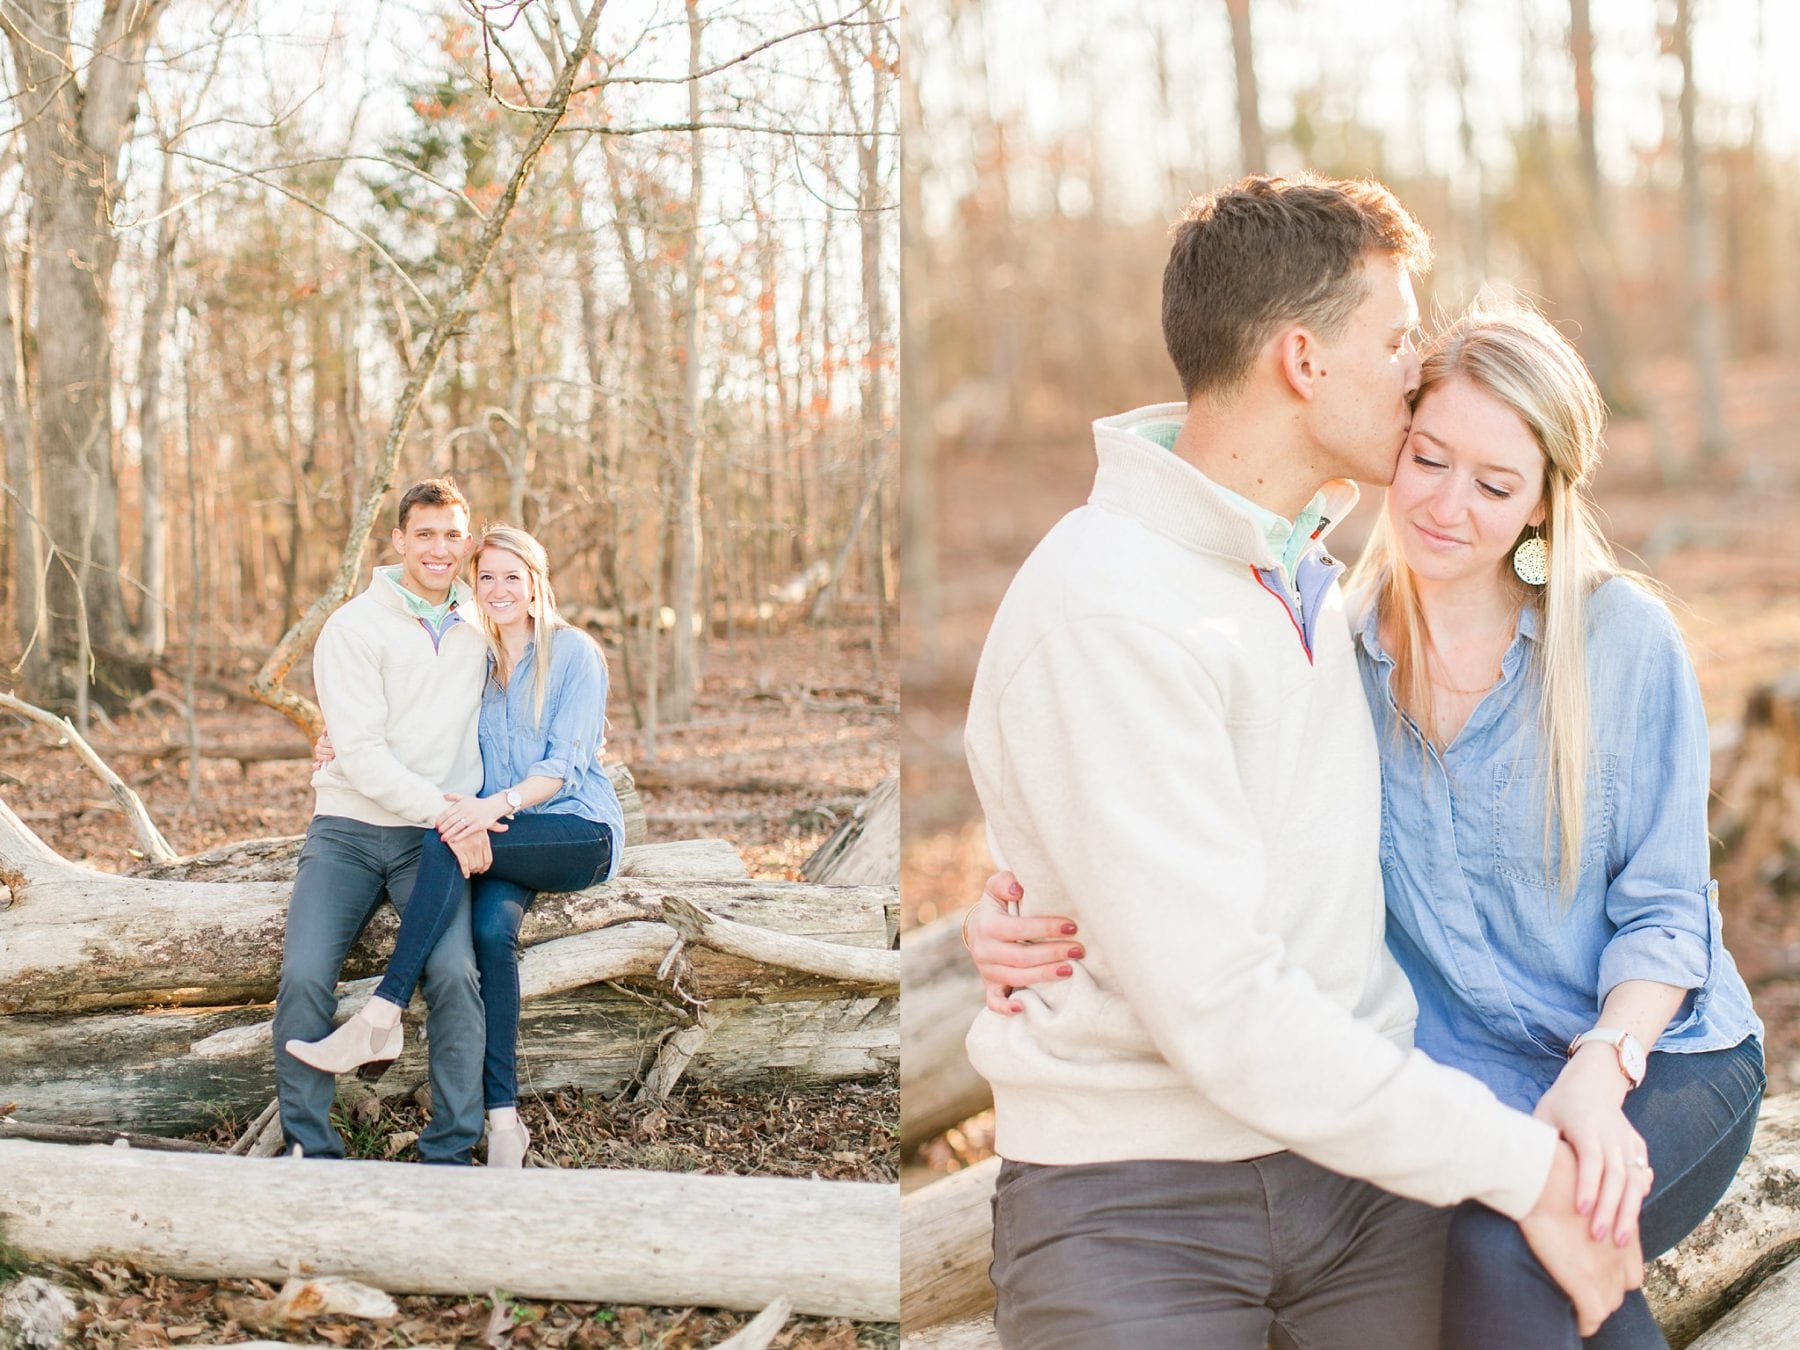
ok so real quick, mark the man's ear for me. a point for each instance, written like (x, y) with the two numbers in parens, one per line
(1297, 355)
(398, 536)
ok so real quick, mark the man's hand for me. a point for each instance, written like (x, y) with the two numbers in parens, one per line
(1595, 1275)
(1011, 950)
(323, 750)
(474, 853)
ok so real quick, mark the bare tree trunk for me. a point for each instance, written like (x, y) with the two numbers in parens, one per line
(920, 597)
(153, 550)
(1581, 55)
(678, 698)
(76, 118)
(1250, 129)
(1703, 310)
(22, 509)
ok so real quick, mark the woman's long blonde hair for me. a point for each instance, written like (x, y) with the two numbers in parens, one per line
(1512, 353)
(544, 618)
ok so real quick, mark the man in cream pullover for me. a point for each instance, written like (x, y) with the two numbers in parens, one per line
(399, 671)
(1217, 1125)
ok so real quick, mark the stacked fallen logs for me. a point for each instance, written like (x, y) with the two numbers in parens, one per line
(946, 1302)
(143, 1002)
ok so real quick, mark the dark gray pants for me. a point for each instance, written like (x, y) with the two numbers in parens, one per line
(1167, 1255)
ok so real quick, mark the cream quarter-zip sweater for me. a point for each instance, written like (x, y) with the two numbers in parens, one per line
(401, 706)
(1161, 758)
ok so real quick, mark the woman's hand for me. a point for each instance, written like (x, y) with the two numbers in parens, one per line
(323, 751)
(1014, 950)
(466, 816)
(1612, 1162)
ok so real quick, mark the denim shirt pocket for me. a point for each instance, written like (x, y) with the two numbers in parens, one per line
(1519, 791)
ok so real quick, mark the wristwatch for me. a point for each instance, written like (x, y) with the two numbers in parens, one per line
(1625, 1046)
(515, 803)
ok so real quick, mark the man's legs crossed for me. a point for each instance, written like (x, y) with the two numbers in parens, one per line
(454, 1026)
(1152, 1254)
(336, 887)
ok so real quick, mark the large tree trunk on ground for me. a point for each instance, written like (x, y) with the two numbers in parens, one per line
(79, 940)
(1752, 1231)
(864, 850)
(175, 1071)
(938, 1086)
(600, 1236)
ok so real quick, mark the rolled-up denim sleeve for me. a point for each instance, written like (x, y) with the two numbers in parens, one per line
(1660, 899)
(575, 712)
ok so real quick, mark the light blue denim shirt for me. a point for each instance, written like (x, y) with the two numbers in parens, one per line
(1507, 971)
(565, 745)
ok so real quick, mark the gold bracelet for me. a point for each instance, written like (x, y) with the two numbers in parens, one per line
(965, 924)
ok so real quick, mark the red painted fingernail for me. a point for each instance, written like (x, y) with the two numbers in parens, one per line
(1065, 971)
(1016, 1007)
(1068, 930)
(1015, 890)
(1076, 953)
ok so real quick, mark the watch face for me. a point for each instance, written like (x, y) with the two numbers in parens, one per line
(1633, 1057)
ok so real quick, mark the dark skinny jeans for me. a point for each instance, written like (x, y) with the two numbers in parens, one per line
(1696, 1113)
(537, 852)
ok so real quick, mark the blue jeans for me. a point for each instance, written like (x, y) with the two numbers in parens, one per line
(536, 853)
(345, 866)
(1697, 1114)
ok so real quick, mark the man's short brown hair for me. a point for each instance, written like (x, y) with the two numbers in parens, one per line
(1266, 252)
(431, 492)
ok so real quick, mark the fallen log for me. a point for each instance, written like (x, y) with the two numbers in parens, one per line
(182, 1070)
(1768, 1317)
(1756, 816)
(938, 1086)
(80, 940)
(946, 1242)
(592, 1236)
(1753, 1231)
(274, 859)
(864, 850)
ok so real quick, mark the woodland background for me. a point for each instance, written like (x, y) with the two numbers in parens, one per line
(1629, 163)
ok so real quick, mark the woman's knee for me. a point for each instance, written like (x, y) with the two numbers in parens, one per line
(496, 932)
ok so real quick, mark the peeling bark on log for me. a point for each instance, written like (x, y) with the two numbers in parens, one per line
(80, 940)
(170, 1071)
(947, 1242)
(590, 1236)
(938, 1086)
(864, 850)
(1768, 1317)
(1754, 1229)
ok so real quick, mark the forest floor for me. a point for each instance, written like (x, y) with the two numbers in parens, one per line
(789, 731)
(1723, 537)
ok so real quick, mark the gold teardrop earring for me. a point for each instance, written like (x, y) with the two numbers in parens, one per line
(1531, 559)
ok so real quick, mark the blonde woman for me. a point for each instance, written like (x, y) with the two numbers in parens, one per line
(1544, 845)
(548, 819)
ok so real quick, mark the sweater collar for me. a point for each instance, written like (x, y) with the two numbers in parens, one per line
(387, 587)
(1140, 476)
